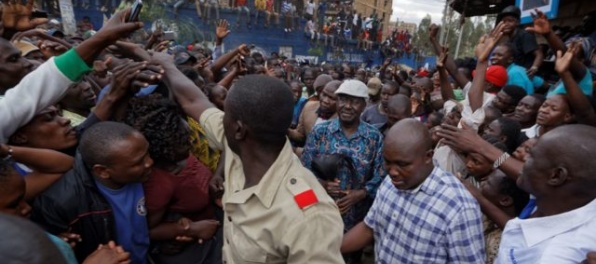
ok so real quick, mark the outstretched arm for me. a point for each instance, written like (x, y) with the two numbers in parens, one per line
(446, 89)
(542, 26)
(483, 49)
(357, 238)
(449, 64)
(579, 102)
(187, 94)
(467, 140)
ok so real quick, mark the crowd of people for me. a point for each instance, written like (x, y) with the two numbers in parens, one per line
(398, 44)
(115, 151)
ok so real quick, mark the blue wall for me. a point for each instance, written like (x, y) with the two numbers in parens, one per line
(272, 38)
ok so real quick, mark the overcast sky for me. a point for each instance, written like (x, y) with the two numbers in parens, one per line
(413, 11)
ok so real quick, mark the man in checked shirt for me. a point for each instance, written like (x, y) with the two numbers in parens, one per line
(421, 214)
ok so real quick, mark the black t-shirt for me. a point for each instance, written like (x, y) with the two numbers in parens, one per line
(525, 44)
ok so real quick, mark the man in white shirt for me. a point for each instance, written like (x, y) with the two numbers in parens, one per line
(309, 10)
(560, 173)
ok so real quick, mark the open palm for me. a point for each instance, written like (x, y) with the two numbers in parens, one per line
(541, 24)
(564, 60)
(18, 16)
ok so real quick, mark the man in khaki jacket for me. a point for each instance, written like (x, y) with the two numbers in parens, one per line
(275, 209)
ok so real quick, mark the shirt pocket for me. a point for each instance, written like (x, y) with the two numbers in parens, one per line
(246, 249)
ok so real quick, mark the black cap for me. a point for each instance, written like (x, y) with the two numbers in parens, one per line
(184, 57)
(509, 11)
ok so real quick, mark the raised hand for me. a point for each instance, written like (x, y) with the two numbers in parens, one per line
(244, 50)
(51, 48)
(221, 31)
(564, 60)
(17, 16)
(442, 57)
(541, 24)
(488, 42)
(433, 31)
(386, 63)
(117, 27)
(463, 139)
(123, 77)
(130, 50)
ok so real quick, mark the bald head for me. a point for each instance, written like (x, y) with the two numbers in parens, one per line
(27, 243)
(399, 107)
(425, 83)
(560, 171)
(572, 146)
(400, 103)
(411, 136)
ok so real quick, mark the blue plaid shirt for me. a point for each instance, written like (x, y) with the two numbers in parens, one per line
(438, 222)
(364, 148)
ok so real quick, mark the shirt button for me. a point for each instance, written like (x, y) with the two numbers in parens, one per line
(293, 181)
(229, 218)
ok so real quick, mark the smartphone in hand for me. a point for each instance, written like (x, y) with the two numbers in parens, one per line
(135, 11)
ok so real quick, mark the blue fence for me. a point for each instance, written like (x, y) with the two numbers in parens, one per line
(275, 39)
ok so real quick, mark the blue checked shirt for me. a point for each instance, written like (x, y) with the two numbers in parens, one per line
(438, 222)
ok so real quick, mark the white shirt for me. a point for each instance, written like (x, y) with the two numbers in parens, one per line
(557, 239)
(472, 118)
(310, 8)
(531, 132)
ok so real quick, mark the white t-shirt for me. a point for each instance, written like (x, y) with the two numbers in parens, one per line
(472, 118)
(310, 8)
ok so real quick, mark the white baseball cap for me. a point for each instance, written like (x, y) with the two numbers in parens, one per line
(353, 88)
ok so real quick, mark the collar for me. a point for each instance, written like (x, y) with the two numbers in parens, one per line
(335, 127)
(429, 185)
(536, 230)
(267, 188)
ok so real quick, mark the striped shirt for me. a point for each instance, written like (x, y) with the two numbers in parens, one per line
(438, 222)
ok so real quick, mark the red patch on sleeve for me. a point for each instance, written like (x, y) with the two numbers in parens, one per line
(306, 199)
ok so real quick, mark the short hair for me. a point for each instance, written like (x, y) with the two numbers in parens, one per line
(190, 72)
(6, 170)
(540, 97)
(512, 130)
(159, 120)
(438, 116)
(209, 89)
(509, 46)
(27, 244)
(496, 142)
(265, 104)
(392, 84)
(97, 142)
(508, 187)
(515, 92)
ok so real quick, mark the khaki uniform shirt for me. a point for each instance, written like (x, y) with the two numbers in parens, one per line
(276, 221)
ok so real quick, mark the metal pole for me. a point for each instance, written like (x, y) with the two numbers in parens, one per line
(461, 33)
(442, 36)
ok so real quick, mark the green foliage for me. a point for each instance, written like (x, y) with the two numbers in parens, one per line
(316, 51)
(185, 27)
(472, 30)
